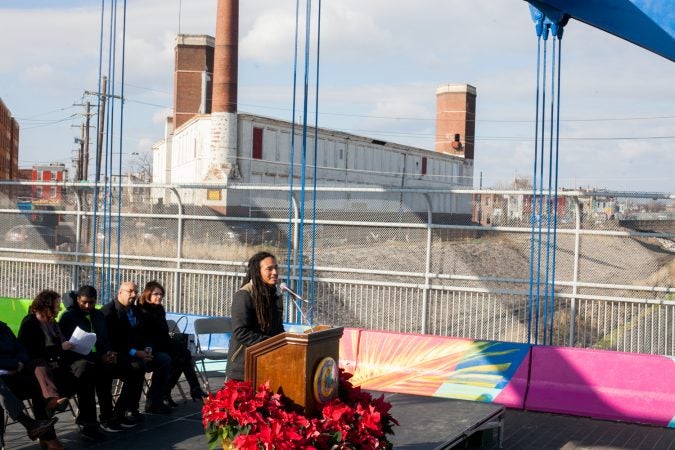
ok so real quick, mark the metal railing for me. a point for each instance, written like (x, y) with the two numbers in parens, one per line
(383, 258)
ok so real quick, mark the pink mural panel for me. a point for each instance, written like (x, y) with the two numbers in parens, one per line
(603, 384)
(349, 349)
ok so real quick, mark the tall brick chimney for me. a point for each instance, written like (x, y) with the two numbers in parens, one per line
(224, 102)
(193, 77)
(456, 119)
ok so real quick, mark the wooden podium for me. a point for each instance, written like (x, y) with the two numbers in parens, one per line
(289, 361)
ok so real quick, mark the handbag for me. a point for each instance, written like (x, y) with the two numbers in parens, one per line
(183, 339)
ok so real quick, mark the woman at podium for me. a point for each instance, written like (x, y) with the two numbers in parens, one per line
(257, 311)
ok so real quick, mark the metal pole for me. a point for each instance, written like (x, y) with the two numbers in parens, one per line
(575, 270)
(427, 270)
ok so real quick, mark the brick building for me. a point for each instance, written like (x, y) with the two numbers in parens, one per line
(55, 172)
(208, 141)
(9, 144)
(193, 77)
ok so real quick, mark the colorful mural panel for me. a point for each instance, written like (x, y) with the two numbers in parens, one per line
(439, 366)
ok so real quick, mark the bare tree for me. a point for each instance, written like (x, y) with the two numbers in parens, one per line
(141, 166)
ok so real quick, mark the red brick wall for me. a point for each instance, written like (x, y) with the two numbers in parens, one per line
(456, 114)
(9, 144)
(190, 63)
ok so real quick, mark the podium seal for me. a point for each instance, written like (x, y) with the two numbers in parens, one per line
(326, 380)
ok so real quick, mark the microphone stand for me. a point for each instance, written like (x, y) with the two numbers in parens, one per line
(299, 307)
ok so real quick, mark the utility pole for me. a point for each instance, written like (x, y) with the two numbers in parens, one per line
(80, 155)
(85, 156)
(101, 126)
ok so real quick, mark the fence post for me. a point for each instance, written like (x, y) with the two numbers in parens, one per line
(427, 269)
(575, 270)
(75, 271)
(179, 250)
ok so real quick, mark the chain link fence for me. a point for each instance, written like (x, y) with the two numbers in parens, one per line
(373, 258)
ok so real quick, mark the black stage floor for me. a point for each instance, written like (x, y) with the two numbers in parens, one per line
(441, 423)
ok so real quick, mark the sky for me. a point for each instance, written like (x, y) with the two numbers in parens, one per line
(380, 65)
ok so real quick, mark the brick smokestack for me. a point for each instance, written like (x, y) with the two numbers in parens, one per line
(225, 57)
(456, 119)
(223, 163)
(192, 77)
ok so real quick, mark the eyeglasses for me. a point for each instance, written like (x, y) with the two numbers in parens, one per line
(158, 294)
(129, 291)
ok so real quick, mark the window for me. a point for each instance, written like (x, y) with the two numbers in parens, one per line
(256, 151)
(54, 175)
(424, 165)
(214, 194)
(53, 192)
(38, 192)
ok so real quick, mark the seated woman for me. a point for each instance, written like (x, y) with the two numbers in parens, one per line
(153, 320)
(57, 377)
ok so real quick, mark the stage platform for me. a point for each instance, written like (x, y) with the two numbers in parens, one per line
(426, 423)
(442, 423)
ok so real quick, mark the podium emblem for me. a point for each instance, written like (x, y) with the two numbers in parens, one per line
(326, 380)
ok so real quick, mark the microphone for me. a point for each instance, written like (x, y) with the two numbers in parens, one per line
(283, 287)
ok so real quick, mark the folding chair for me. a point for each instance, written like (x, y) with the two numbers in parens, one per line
(174, 328)
(215, 347)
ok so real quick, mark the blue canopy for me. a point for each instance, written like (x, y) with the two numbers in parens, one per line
(651, 25)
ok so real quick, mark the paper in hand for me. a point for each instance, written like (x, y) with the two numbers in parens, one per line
(82, 341)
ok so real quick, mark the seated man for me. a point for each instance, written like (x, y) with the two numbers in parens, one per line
(12, 360)
(83, 314)
(124, 326)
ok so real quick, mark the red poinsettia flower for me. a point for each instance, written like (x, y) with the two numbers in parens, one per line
(253, 419)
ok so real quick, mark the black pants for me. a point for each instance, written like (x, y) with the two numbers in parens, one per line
(132, 375)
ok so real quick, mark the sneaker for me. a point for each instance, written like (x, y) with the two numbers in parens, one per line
(92, 433)
(112, 426)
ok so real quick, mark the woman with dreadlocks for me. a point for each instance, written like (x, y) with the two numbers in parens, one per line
(257, 311)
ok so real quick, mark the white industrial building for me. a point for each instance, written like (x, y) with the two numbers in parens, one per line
(208, 141)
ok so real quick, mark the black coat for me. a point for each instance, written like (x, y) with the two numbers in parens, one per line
(154, 328)
(121, 335)
(74, 317)
(32, 337)
(246, 330)
(11, 350)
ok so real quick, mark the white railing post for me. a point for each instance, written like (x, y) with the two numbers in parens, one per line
(179, 250)
(427, 270)
(575, 270)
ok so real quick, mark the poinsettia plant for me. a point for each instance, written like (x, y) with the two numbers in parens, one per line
(243, 418)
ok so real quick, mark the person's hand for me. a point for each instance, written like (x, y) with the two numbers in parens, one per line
(66, 345)
(109, 358)
(145, 356)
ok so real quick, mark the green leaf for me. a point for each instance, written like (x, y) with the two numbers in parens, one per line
(213, 437)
